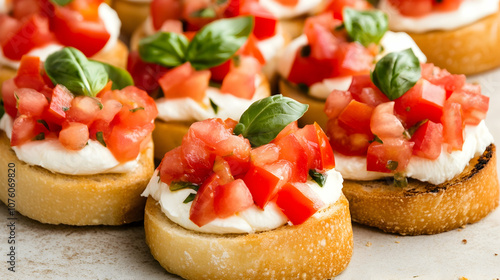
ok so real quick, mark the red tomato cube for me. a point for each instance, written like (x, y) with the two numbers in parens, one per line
(391, 156)
(298, 202)
(428, 139)
(202, 210)
(231, 198)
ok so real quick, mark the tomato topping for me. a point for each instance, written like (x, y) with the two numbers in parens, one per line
(336, 102)
(28, 74)
(8, 97)
(474, 106)
(384, 123)
(265, 154)
(83, 109)
(77, 25)
(418, 8)
(231, 198)
(163, 10)
(240, 81)
(363, 90)
(265, 182)
(345, 142)
(298, 202)
(74, 135)
(290, 3)
(292, 151)
(24, 129)
(337, 6)
(265, 22)
(391, 156)
(184, 81)
(145, 74)
(202, 210)
(356, 117)
(290, 128)
(30, 102)
(453, 126)
(428, 139)
(314, 142)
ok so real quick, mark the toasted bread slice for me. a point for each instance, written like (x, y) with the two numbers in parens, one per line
(466, 50)
(423, 208)
(320, 248)
(103, 199)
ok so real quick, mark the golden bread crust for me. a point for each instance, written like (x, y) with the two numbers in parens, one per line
(103, 199)
(423, 208)
(467, 50)
(131, 14)
(168, 135)
(318, 249)
(315, 113)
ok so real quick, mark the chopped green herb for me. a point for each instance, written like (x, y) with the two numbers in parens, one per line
(303, 87)
(377, 139)
(236, 60)
(44, 123)
(136, 109)
(319, 178)
(65, 109)
(99, 136)
(414, 128)
(214, 106)
(204, 13)
(392, 165)
(305, 51)
(40, 136)
(189, 198)
(400, 180)
(180, 185)
(100, 105)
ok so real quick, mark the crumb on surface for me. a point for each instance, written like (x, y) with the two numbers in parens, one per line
(464, 241)
(396, 242)
(463, 278)
(496, 254)
(368, 244)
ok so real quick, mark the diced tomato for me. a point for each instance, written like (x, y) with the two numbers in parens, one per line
(441, 77)
(324, 20)
(290, 3)
(363, 90)
(28, 74)
(323, 44)
(384, 123)
(240, 81)
(290, 128)
(352, 59)
(22, 9)
(24, 129)
(190, 14)
(453, 126)
(250, 48)
(220, 71)
(172, 167)
(347, 143)
(31, 102)
(298, 202)
(291, 150)
(210, 131)
(423, 101)
(83, 109)
(223, 170)
(474, 106)
(265, 154)
(145, 74)
(202, 210)
(308, 70)
(9, 98)
(231, 198)
(9, 27)
(336, 102)
(265, 21)
(265, 182)
(125, 142)
(428, 139)
(337, 6)
(162, 10)
(356, 117)
(446, 5)
(391, 156)
(325, 150)
(319, 152)
(183, 81)
(412, 8)
(72, 29)
(74, 136)
(235, 146)
(34, 32)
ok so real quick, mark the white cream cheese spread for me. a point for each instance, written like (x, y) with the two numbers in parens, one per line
(250, 220)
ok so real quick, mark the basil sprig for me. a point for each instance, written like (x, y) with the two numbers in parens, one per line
(318, 177)
(211, 46)
(264, 119)
(365, 27)
(70, 68)
(396, 73)
(61, 2)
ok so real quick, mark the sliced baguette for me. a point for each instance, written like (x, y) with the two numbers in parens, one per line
(467, 50)
(104, 199)
(318, 249)
(423, 208)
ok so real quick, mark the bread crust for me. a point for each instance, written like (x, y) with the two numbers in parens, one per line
(168, 135)
(103, 199)
(318, 249)
(315, 113)
(131, 13)
(423, 208)
(466, 50)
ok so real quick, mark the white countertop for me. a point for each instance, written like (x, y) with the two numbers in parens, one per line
(65, 252)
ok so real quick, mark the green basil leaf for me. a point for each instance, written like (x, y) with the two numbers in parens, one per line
(44, 123)
(40, 136)
(218, 41)
(396, 73)
(319, 178)
(180, 185)
(61, 2)
(365, 27)
(2, 109)
(73, 70)
(264, 119)
(400, 180)
(100, 137)
(214, 106)
(189, 198)
(121, 78)
(204, 13)
(164, 48)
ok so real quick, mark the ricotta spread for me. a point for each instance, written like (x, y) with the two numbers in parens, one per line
(111, 22)
(468, 12)
(391, 42)
(250, 220)
(444, 168)
(51, 155)
(186, 109)
(282, 12)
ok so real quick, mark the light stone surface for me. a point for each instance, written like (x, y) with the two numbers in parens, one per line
(65, 252)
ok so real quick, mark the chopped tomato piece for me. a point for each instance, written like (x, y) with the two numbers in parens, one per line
(74, 136)
(24, 129)
(298, 202)
(202, 210)
(474, 106)
(391, 156)
(265, 21)
(323, 44)
(347, 143)
(145, 74)
(292, 151)
(83, 109)
(31, 102)
(28, 74)
(197, 156)
(219, 72)
(9, 27)
(125, 142)
(336, 102)
(250, 48)
(315, 144)
(363, 90)
(265, 182)
(163, 10)
(453, 126)
(231, 198)
(9, 98)
(210, 131)
(428, 139)
(223, 170)
(240, 81)
(308, 70)
(265, 154)
(290, 128)
(412, 8)
(337, 6)
(288, 2)
(172, 167)
(384, 123)
(183, 81)
(352, 59)
(356, 117)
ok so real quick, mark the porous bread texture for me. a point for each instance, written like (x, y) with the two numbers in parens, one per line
(52, 198)
(320, 248)
(168, 135)
(315, 113)
(471, 49)
(423, 208)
